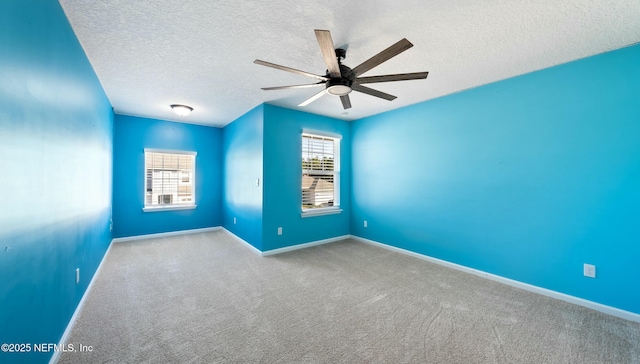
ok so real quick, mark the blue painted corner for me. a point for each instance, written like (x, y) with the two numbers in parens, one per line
(131, 136)
(243, 176)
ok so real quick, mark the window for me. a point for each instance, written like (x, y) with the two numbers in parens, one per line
(169, 180)
(320, 174)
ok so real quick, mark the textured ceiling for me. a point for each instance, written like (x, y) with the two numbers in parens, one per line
(150, 54)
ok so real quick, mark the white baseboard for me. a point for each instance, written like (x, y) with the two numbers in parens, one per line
(65, 336)
(627, 315)
(240, 240)
(267, 253)
(161, 235)
(304, 245)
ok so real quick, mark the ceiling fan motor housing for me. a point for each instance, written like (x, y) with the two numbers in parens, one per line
(341, 86)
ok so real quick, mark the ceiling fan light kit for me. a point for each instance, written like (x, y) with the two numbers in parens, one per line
(338, 88)
(339, 79)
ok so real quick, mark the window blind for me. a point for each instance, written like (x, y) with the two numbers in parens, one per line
(319, 171)
(169, 179)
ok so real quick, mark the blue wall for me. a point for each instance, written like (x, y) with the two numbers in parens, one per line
(527, 178)
(56, 132)
(131, 136)
(243, 167)
(282, 179)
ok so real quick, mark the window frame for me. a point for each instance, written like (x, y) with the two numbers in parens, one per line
(329, 210)
(192, 179)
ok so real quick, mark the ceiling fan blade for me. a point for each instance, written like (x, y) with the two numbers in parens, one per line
(289, 69)
(383, 56)
(372, 92)
(293, 86)
(313, 98)
(328, 52)
(395, 77)
(346, 102)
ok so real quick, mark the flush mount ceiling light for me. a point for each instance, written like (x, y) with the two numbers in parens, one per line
(181, 110)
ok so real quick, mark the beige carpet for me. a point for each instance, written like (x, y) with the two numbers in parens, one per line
(205, 298)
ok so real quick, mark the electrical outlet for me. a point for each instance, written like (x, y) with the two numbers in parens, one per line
(280, 231)
(77, 275)
(589, 270)
(365, 223)
(234, 221)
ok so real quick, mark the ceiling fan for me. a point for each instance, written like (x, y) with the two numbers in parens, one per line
(339, 79)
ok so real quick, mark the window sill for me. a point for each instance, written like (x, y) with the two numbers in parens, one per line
(321, 212)
(169, 208)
